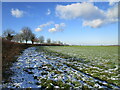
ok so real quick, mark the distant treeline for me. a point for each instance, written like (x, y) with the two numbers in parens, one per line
(26, 35)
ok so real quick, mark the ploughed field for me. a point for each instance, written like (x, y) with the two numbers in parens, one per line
(66, 67)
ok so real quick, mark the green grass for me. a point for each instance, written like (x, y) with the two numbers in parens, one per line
(103, 58)
(107, 55)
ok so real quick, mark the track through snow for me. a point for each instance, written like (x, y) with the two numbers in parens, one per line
(33, 69)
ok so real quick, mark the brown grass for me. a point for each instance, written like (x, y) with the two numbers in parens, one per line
(9, 52)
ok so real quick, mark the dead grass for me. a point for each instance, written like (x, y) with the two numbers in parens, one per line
(9, 52)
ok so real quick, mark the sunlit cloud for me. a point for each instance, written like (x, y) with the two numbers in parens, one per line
(58, 27)
(90, 14)
(17, 13)
(38, 29)
(46, 24)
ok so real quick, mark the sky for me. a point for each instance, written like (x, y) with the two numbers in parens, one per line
(76, 23)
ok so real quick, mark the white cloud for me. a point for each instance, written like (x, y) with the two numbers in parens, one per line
(58, 27)
(112, 12)
(46, 24)
(43, 25)
(94, 23)
(48, 12)
(52, 30)
(112, 2)
(91, 15)
(17, 13)
(111, 17)
(79, 10)
(38, 29)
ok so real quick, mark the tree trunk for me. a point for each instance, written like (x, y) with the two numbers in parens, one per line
(32, 42)
(26, 41)
(20, 41)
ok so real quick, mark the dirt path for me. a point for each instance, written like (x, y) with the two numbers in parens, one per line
(38, 70)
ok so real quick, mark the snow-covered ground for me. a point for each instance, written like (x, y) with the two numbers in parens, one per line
(38, 70)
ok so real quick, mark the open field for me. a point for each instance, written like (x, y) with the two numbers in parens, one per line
(107, 55)
(60, 45)
(98, 61)
(65, 67)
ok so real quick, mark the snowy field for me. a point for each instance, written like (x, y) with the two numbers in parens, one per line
(58, 67)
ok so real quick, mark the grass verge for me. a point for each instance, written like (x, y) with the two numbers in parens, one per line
(10, 52)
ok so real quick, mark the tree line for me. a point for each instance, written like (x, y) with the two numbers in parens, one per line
(26, 35)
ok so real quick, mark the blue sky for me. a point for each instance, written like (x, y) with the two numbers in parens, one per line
(73, 23)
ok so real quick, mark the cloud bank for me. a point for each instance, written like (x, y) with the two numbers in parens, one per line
(91, 15)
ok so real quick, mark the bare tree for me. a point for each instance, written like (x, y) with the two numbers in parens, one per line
(18, 38)
(33, 38)
(41, 39)
(21, 38)
(48, 40)
(55, 42)
(8, 34)
(26, 32)
(59, 42)
(36, 40)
